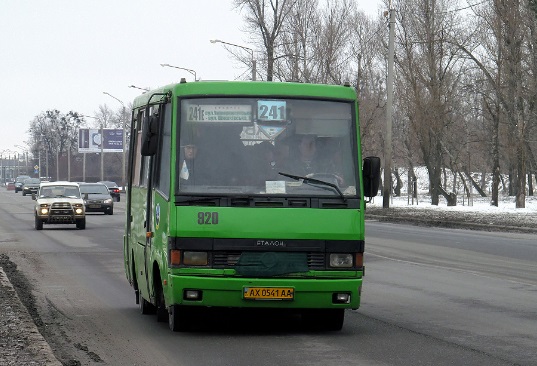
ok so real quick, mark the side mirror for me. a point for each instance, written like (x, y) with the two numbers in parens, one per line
(150, 130)
(86, 196)
(371, 176)
(33, 196)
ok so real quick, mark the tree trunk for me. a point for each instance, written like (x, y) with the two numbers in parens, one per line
(398, 184)
(451, 198)
(475, 185)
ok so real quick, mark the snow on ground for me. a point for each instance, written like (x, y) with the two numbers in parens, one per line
(477, 204)
(479, 214)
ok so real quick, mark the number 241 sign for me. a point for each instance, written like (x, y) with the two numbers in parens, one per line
(271, 110)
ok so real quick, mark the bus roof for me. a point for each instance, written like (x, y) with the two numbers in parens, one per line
(247, 88)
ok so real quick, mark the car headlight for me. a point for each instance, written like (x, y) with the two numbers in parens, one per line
(79, 211)
(107, 201)
(340, 260)
(43, 209)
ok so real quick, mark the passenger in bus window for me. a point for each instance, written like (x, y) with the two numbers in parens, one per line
(188, 164)
(303, 159)
(330, 159)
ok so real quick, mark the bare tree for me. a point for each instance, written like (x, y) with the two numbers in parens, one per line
(430, 75)
(265, 21)
(298, 40)
(105, 117)
(52, 133)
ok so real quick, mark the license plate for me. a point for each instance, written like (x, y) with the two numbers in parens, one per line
(269, 293)
(94, 206)
(63, 218)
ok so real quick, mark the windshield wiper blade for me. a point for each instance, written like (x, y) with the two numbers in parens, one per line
(195, 199)
(315, 181)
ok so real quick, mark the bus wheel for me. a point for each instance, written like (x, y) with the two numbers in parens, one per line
(162, 311)
(145, 306)
(324, 319)
(178, 318)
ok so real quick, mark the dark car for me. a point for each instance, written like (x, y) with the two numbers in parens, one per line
(97, 198)
(30, 186)
(113, 188)
(20, 181)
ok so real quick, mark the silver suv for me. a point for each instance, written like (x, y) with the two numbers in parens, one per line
(59, 203)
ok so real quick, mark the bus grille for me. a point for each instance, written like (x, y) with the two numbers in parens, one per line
(228, 259)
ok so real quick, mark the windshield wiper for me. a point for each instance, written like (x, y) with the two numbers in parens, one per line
(195, 199)
(307, 180)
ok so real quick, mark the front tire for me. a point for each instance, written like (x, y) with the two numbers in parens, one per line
(38, 223)
(81, 224)
(179, 318)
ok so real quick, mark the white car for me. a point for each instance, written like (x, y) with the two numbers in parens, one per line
(59, 203)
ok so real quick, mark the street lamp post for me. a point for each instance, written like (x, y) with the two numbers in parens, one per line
(102, 153)
(8, 170)
(2, 166)
(46, 157)
(387, 184)
(193, 72)
(137, 87)
(25, 156)
(69, 161)
(123, 157)
(254, 63)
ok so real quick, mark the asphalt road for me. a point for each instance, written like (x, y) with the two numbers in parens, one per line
(431, 296)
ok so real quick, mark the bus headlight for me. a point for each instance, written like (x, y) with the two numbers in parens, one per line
(340, 260)
(195, 258)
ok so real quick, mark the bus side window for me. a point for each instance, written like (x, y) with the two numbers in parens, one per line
(138, 156)
(163, 156)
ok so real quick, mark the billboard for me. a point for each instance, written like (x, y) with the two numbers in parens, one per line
(92, 141)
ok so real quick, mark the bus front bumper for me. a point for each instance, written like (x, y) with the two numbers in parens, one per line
(290, 293)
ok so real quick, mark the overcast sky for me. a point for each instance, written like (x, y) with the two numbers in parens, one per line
(63, 54)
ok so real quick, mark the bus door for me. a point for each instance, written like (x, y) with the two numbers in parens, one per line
(150, 137)
(140, 210)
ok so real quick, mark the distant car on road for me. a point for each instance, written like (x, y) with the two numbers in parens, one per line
(59, 203)
(19, 181)
(30, 186)
(113, 188)
(97, 198)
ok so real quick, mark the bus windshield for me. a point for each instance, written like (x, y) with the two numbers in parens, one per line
(241, 145)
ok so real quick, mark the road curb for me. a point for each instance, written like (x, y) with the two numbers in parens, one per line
(451, 224)
(20, 338)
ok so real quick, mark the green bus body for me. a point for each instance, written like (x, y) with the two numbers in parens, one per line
(246, 236)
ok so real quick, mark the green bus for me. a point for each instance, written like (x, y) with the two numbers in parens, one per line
(247, 195)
